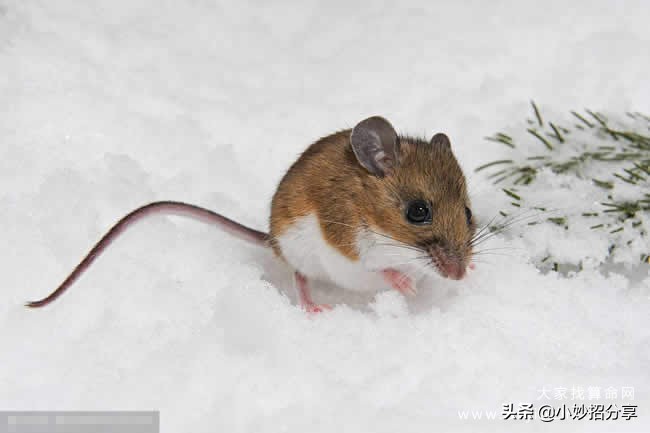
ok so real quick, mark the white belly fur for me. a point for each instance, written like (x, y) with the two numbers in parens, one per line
(304, 247)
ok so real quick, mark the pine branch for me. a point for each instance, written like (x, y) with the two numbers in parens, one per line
(624, 162)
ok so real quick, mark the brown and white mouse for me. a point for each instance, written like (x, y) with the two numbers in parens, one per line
(365, 208)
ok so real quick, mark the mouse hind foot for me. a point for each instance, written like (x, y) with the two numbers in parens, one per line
(304, 296)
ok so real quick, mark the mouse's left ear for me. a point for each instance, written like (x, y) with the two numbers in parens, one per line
(440, 139)
(374, 142)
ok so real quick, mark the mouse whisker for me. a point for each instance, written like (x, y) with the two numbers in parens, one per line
(495, 254)
(505, 221)
(483, 262)
(508, 223)
(338, 222)
(410, 261)
(366, 227)
(384, 235)
(401, 263)
(483, 229)
(401, 254)
(490, 230)
(498, 249)
(409, 247)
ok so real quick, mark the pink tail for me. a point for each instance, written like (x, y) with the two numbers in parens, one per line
(172, 207)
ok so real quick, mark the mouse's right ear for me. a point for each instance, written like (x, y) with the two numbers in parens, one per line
(374, 142)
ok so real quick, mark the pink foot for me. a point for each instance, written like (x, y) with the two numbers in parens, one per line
(316, 308)
(472, 266)
(400, 282)
(304, 296)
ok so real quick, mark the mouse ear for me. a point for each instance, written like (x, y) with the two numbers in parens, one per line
(374, 142)
(440, 139)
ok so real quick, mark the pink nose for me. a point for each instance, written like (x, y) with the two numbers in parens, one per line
(449, 265)
(451, 268)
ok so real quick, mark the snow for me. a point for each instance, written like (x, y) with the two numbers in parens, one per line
(570, 196)
(107, 105)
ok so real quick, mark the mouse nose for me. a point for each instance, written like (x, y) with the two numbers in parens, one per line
(453, 269)
(449, 265)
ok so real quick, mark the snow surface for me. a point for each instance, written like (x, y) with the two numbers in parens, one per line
(106, 105)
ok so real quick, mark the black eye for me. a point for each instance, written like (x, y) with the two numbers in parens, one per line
(418, 212)
(468, 215)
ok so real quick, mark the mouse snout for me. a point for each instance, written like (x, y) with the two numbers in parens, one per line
(453, 270)
(449, 264)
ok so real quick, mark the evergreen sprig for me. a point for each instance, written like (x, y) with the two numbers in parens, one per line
(625, 160)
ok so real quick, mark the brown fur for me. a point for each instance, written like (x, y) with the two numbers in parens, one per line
(328, 181)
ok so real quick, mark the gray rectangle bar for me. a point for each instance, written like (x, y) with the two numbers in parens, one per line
(79, 422)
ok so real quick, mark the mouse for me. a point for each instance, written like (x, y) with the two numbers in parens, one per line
(363, 208)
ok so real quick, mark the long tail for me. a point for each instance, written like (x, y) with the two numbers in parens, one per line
(171, 207)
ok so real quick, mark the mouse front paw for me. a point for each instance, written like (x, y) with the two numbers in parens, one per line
(400, 282)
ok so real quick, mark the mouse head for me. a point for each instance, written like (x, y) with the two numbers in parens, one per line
(416, 194)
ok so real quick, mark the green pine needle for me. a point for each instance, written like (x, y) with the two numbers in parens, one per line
(624, 163)
(537, 115)
(512, 194)
(548, 145)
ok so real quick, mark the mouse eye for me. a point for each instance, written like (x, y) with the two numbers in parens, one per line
(468, 215)
(418, 212)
